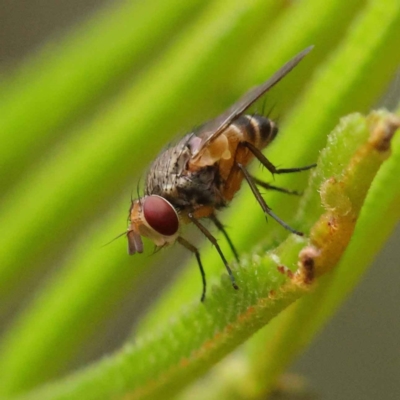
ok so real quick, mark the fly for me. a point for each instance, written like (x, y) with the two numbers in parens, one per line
(201, 174)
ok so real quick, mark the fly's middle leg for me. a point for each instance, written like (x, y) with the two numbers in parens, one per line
(268, 164)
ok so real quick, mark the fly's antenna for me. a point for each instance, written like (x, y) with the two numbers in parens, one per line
(116, 237)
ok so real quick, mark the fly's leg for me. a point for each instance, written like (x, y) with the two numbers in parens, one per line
(262, 202)
(194, 250)
(221, 227)
(268, 186)
(212, 239)
(271, 167)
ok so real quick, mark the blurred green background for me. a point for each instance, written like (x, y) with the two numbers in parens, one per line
(357, 354)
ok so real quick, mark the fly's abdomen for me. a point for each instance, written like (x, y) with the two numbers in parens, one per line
(255, 129)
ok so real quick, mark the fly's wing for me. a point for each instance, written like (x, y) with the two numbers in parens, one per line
(212, 129)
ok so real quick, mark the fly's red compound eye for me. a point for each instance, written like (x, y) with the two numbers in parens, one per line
(160, 215)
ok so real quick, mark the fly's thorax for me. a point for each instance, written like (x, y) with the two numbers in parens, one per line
(155, 218)
(170, 165)
(172, 177)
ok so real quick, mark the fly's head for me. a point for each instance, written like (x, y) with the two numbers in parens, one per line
(153, 217)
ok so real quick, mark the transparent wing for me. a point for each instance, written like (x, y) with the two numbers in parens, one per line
(212, 129)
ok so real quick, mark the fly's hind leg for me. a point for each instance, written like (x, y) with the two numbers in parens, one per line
(271, 167)
(268, 186)
(262, 202)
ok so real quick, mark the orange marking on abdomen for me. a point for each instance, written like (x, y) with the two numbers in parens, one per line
(234, 175)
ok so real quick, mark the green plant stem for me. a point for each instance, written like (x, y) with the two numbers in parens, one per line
(293, 330)
(159, 365)
(274, 348)
(105, 152)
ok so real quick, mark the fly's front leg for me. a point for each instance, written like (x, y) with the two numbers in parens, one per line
(212, 239)
(262, 202)
(194, 250)
(271, 167)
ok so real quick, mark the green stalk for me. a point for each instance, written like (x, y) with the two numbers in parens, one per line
(292, 331)
(158, 365)
(101, 156)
